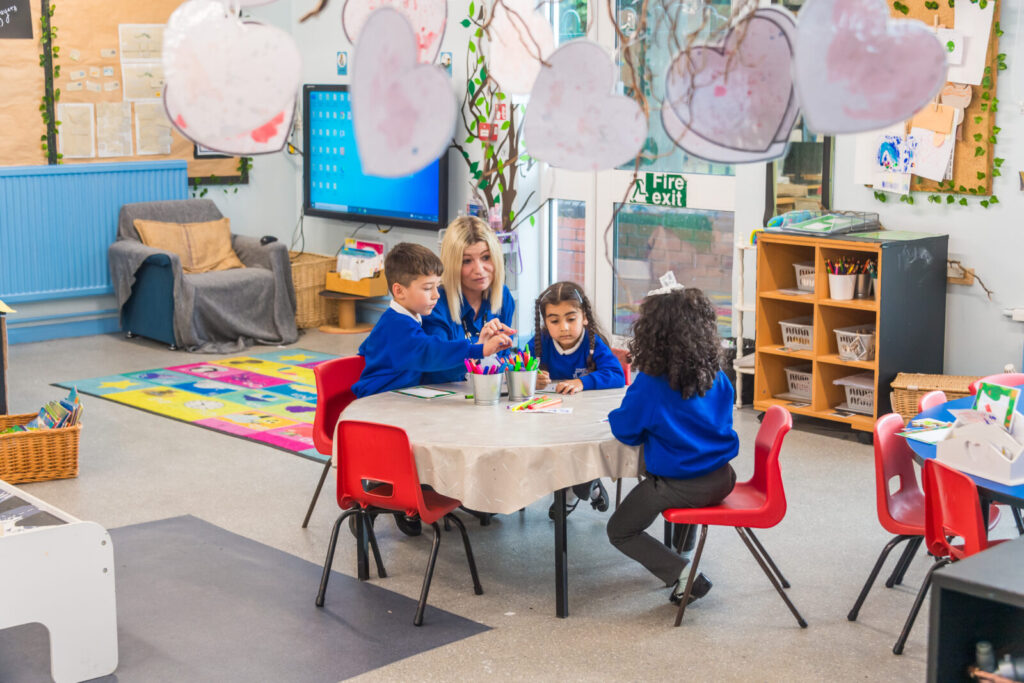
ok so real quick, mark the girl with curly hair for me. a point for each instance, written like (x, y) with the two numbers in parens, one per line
(574, 353)
(679, 407)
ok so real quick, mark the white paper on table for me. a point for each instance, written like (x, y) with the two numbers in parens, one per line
(930, 161)
(976, 25)
(929, 435)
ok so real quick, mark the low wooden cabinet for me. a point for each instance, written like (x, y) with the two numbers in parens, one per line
(907, 309)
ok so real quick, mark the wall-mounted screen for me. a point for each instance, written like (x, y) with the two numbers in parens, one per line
(334, 185)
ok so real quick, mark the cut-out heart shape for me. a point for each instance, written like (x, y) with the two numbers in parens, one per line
(519, 39)
(403, 112)
(735, 103)
(427, 17)
(230, 86)
(857, 70)
(575, 121)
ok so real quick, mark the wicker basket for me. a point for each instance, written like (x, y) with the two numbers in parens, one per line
(37, 455)
(908, 388)
(309, 273)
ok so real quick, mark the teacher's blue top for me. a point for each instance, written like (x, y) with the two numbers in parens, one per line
(441, 323)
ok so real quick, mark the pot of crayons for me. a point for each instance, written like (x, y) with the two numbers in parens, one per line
(522, 375)
(486, 382)
(866, 279)
(842, 278)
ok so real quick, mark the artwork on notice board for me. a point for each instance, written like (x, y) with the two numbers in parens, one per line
(575, 120)
(342, 63)
(200, 152)
(519, 38)
(15, 20)
(446, 62)
(735, 103)
(427, 20)
(849, 81)
(974, 20)
(403, 112)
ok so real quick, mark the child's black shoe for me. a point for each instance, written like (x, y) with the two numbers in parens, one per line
(598, 496)
(568, 508)
(701, 586)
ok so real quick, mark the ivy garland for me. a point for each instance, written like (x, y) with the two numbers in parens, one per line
(51, 70)
(199, 185)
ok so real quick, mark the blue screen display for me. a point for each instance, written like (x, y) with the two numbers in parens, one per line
(335, 177)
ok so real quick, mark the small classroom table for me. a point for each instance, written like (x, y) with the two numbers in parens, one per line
(496, 460)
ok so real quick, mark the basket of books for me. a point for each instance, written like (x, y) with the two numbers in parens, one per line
(43, 446)
(909, 387)
(309, 275)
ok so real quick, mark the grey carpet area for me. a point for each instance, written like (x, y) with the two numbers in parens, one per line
(198, 603)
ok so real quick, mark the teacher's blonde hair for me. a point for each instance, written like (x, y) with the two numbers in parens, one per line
(463, 232)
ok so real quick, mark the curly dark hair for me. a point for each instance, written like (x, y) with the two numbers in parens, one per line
(676, 336)
(558, 293)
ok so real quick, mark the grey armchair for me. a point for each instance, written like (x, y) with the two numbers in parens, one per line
(216, 312)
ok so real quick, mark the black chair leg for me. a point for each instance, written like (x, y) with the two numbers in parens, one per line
(895, 541)
(484, 517)
(897, 649)
(668, 533)
(900, 570)
(1017, 519)
(771, 577)
(618, 494)
(330, 557)
(418, 619)
(692, 575)
(477, 588)
(373, 546)
(768, 558)
(316, 494)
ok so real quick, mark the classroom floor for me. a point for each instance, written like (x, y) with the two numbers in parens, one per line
(138, 467)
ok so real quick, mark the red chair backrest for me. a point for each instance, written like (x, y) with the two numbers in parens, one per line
(334, 380)
(894, 458)
(767, 477)
(623, 356)
(1010, 379)
(930, 400)
(378, 453)
(952, 508)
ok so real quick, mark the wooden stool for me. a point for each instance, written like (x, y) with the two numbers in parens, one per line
(346, 314)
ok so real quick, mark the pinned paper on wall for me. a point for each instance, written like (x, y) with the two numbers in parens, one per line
(77, 133)
(935, 117)
(895, 154)
(403, 112)
(882, 159)
(575, 94)
(857, 70)
(932, 153)
(230, 85)
(735, 103)
(953, 42)
(520, 38)
(427, 18)
(974, 21)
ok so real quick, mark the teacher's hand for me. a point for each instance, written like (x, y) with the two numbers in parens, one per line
(495, 326)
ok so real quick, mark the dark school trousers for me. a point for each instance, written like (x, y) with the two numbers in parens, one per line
(626, 528)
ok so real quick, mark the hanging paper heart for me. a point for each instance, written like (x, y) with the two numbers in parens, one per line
(857, 70)
(427, 17)
(230, 85)
(403, 112)
(519, 39)
(574, 120)
(735, 103)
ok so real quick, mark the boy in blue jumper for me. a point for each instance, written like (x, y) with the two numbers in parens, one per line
(398, 351)
(573, 352)
(679, 407)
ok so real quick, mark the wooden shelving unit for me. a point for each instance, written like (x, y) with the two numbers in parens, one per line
(908, 310)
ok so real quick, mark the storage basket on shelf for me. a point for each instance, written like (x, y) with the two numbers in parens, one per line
(909, 387)
(309, 274)
(798, 377)
(856, 342)
(39, 455)
(860, 392)
(798, 333)
(804, 276)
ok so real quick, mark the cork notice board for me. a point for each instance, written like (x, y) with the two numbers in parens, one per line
(970, 169)
(23, 91)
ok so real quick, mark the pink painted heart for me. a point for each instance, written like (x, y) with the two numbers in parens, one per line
(857, 70)
(403, 112)
(519, 38)
(427, 17)
(228, 83)
(735, 103)
(574, 120)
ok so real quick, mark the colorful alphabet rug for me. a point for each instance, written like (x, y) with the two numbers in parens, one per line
(266, 397)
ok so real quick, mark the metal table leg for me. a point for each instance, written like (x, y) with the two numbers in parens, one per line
(561, 558)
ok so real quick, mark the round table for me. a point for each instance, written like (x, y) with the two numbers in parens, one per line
(496, 460)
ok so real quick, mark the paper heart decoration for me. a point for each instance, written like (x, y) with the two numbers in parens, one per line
(403, 112)
(575, 121)
(857, 70)
(735, 103)
(230, 85)
(518, 41)
(427, 17)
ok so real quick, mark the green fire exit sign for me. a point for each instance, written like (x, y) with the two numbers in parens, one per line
(660, 189)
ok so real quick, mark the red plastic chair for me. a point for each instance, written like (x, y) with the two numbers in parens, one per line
(758, 503)
(952, 509)
(623, 356)
(931, 400)
(334, 380)
(1010, 379)
(382, 454)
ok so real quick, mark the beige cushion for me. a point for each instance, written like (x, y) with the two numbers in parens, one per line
(202, 247)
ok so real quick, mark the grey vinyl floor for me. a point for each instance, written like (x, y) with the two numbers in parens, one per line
(138, 467)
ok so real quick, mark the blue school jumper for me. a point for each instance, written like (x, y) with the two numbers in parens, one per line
(607, 373)
(682, 438)
(398, 351)
(440, 323)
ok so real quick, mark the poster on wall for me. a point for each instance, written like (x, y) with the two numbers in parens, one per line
(15, 20)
